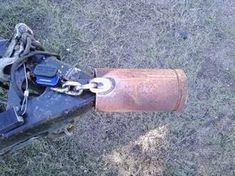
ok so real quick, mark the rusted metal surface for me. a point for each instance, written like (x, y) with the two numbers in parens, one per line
(143, 90)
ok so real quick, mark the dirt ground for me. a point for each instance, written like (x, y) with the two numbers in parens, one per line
(197, 36)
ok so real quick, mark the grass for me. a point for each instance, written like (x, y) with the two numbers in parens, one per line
(197, 36)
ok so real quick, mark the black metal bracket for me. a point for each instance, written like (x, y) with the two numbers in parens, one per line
(45, 109)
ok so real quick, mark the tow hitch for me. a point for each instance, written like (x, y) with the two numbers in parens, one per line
(45, 94)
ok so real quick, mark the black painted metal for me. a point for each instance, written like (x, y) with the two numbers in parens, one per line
(3, 46)
(48, 111)
(9, 120)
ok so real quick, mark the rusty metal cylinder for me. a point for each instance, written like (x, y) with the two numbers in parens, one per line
(147, 90)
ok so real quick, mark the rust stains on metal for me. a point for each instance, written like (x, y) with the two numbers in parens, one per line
(143, 90)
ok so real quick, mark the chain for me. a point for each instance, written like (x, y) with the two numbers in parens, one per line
(21, 44)
(22, 41)
(95, 85)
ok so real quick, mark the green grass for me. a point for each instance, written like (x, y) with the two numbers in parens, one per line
(197, 36)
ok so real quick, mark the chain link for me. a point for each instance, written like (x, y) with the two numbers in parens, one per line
(104, 85)
(95, 85)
